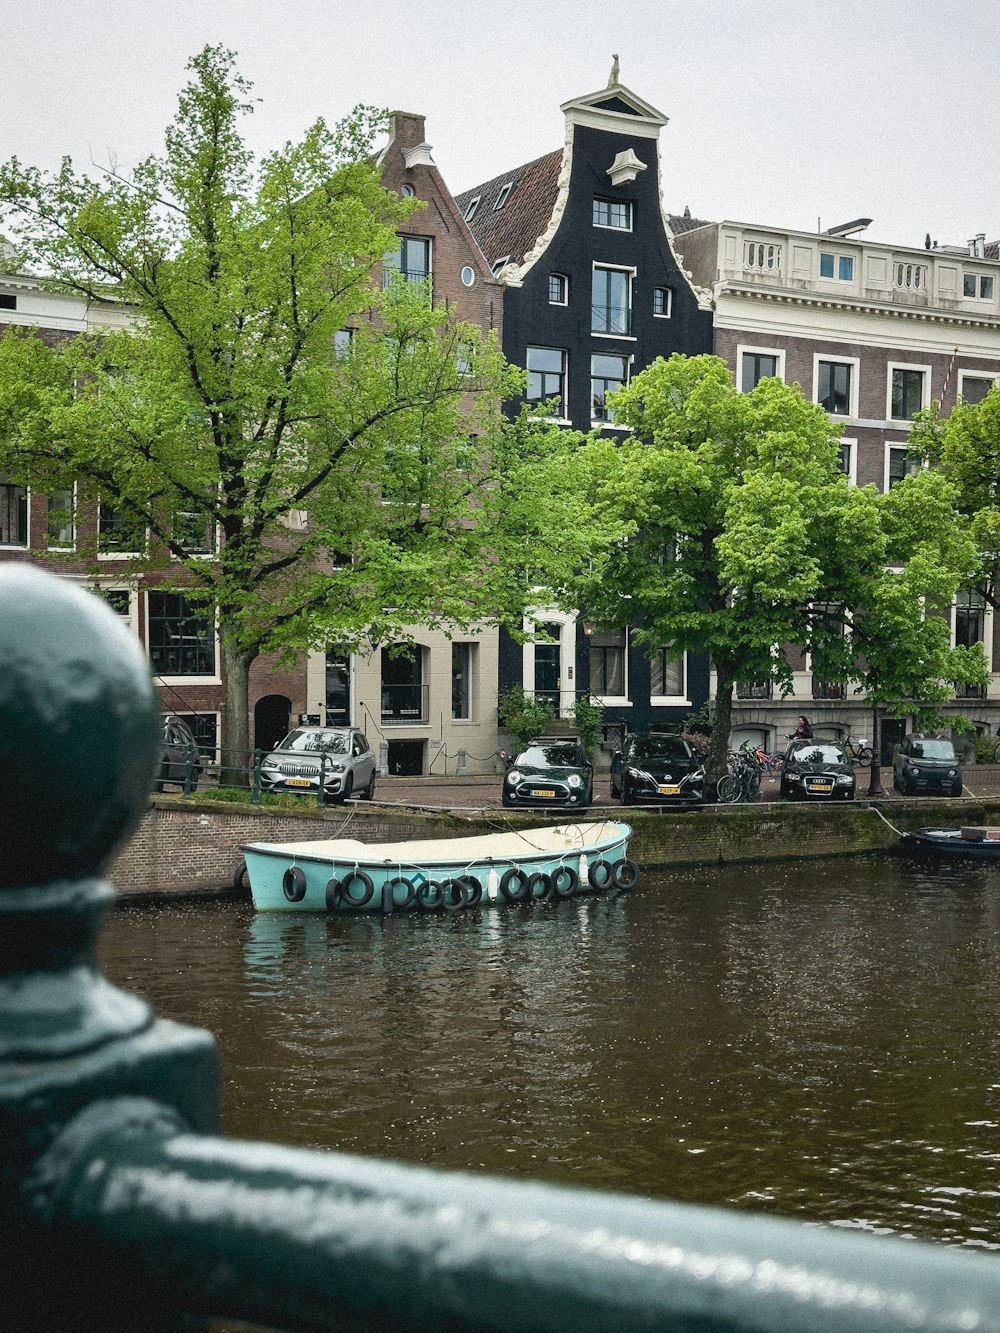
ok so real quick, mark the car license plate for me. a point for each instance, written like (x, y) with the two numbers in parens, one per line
(299, 782)
(542, 791)
(821, 786)
(670, 791)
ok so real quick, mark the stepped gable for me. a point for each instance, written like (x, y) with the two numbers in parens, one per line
(513, 229)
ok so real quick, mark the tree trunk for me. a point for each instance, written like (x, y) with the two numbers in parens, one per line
(722, 724)
(875, 784)
(236, 756)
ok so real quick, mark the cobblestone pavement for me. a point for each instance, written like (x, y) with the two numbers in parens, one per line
(482, 791)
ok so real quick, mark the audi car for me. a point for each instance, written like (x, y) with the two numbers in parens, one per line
(662, 770)
(341, 755)
(554, 773)
(816, 769)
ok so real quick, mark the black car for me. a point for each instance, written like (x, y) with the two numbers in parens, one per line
(550, 773)
(342, 754)
(660, 769)
(927, 764)
(817, 769)
(179, 758)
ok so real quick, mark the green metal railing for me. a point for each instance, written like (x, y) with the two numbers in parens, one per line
(122, 1210)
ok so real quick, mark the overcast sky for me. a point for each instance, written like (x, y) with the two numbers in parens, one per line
(787, 114)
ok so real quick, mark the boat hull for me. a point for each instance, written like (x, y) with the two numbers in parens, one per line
(951, 842)
(341, 875)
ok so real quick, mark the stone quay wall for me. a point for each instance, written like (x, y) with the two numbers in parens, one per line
(184, 847)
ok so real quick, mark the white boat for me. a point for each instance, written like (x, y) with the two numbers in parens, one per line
(450, 874)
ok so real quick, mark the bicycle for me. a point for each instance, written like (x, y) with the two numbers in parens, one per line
(860, 753)
(742, 782)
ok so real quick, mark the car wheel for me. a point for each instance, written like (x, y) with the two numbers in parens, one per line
(784, 792)
(616, 791)
(627, 797)
(162, 777)
(368, 794)
(345, 795)
(506, 801)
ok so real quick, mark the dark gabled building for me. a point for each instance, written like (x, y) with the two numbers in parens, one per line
(593, 293)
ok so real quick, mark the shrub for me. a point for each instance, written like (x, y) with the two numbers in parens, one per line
(522, 715)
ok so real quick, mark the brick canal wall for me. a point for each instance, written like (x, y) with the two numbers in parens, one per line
(194, 846)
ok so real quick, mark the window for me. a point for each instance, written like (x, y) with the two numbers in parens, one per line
(979, 285)
(338, 688)
(60, 520)
(465, 359)
(403, 690)
(839, 266)
(615, 213)
(667, 673)
(8, 301)
(607, 373)
(547, 377)
(607, 663)
(195, 530)
(461, 680)
(473, 204)
(974, 388)
(205, 730)
(847, 459)
(757, 366)
(970, 618)
(410, 260)
(898, 464)
(911, 277)
(558, 289)
(119, 533)
(181, 636)
(611, 303)
(13, 513)
(503, 196)
(906, 395)
(663, 300)
(342, 344)
(468, 275)
(833, 387)
(500, 265)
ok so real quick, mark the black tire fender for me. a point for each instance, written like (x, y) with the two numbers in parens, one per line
(509, 876)
(627, 875)
(241, 879)
(293, 884)
(430, 896)
(473, 890)
(538, 879)
(367, 889)
(601, 875)
(401, 882)
(565, 881)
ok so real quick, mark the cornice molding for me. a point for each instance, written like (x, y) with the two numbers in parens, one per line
(924, 314)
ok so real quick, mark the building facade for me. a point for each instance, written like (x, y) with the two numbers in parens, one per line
(874, 333)
(593, 293)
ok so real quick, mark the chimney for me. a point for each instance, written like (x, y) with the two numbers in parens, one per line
(981, 244)
(407, 129)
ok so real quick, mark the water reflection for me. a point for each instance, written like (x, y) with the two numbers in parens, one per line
(804, 1039)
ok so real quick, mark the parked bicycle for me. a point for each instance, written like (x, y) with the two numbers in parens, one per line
(859, 752)
(742, 782)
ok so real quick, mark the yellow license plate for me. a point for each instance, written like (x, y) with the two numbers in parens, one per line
(542, 791)
(670, 791)
(299, 782)
(821, 786)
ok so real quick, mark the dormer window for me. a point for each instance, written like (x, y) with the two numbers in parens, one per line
(503, 196)
(470, 211)
(500, 264)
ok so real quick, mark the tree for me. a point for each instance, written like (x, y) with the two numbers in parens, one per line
(965, 446)
(732, 528)
(262, 376)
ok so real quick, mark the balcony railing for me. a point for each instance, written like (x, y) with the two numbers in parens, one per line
(963, 691)
(754, 689)
(610, 319)
(404, 703)
(828, 689)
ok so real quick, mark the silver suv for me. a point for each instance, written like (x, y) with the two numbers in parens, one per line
(341, 755)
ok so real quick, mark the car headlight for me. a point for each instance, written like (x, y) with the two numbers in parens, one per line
(270, 765)
(845, 780)
(514, 776)
(915, 771)
(953, 772)
(575, 780)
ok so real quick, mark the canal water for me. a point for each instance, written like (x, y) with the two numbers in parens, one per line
(815, 1040)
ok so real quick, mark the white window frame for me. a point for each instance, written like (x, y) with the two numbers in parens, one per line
(606, 424)
(190, 713)
(615, 700)
(889, 446)
(630, 271)
(855, 363)
(564, 405)
(669, 303)
(119, 555)
(499, 265)
(925, 396)
(852, 471)
(564, 278)
(987, 639)
(837, 256)
(609, 226)
(214, 679)
(71, 546)
(669, 700)
(964, 375)
(754, 350)
(503, 196)
(567, 654)
(471, 206)
(977, 295)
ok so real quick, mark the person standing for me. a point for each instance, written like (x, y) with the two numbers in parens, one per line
(803, 732)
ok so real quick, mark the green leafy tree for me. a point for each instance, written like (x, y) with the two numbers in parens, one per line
(353, 484)
(726, 524)
(966, 447)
